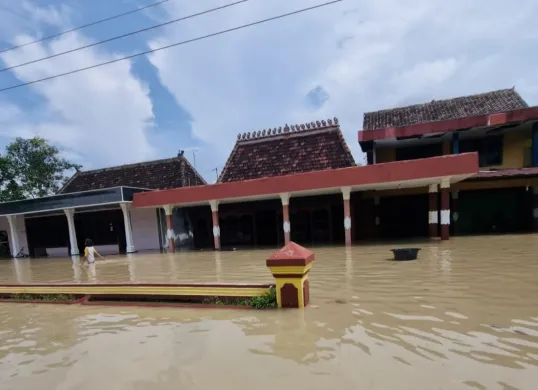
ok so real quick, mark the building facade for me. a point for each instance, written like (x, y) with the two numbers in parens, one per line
(97, 205)
(300, 183)
(467, 165)
(501, 198)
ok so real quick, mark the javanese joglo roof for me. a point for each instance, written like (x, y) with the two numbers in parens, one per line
(443, 126)
(401, 174)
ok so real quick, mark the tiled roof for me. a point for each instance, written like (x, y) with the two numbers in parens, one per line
(506, 173)
(314, 146)
(440, 110)
(159, 174)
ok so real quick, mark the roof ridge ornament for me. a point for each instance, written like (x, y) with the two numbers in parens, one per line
(287, 129)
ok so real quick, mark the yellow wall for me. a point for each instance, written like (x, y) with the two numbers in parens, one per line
(515, 149)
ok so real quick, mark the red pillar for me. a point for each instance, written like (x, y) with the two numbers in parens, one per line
(170, 234)
(346, 194)
(433, 214)
(445, 211)
(216, 228)
(535, 208)
(286, 217)
(455, 212)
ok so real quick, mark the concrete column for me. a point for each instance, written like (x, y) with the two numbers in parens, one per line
(433, 213)
(126, 208)
(285, 198)
(535, 208)
(445, 209)
(70, 214)
(13, 235)
(170, 234)
(346, 194)
(216, 228)
(454, 212)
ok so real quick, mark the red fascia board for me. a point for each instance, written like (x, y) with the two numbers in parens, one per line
(451, 165)
(515, 116)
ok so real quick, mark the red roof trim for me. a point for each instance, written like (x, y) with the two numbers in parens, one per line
(522, 115)
(451, 165)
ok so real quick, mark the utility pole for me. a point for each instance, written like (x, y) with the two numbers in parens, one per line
(216, 173)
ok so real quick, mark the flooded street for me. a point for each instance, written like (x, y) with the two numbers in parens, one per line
(464, 316)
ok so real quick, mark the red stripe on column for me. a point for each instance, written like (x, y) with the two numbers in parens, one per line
(286, 219)
(433, 214)
(445, 214)
(347, 214)
(216, 227)
(170, 226)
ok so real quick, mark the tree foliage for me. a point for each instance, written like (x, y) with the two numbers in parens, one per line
(31, 168)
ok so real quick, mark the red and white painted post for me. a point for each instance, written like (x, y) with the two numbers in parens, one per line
(535, 208)
(170, 234)
(433, 214)
(346, 194)
(455, 212)
(285, 198)
(215, 217)
(445, 209)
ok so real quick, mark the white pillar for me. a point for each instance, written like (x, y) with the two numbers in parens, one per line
(70, 214)
(285, 198)
(14, 244)
(126, 208)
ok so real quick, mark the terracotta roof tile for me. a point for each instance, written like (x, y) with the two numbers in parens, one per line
(506, 173)
(293, 149)
(158, 174)
(439, 110)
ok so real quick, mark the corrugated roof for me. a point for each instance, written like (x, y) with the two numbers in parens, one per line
(440, 110)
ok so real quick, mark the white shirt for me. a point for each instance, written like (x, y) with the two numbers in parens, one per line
(90, 254)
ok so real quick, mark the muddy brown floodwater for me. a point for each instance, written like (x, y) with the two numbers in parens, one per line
(464, 316)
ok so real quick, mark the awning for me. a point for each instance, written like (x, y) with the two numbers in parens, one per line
(400, 174)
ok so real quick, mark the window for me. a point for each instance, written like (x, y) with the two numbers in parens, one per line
(421, 151)
(490, 149)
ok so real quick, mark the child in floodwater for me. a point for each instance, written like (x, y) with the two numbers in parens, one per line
(90, 252)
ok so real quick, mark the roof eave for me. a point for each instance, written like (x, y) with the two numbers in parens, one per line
(514, 116)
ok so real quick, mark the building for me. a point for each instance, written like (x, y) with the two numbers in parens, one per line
(467, 165)
(502, 197)
(300, 183)
(97, 204)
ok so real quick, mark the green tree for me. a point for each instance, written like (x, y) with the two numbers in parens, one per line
(31, 168)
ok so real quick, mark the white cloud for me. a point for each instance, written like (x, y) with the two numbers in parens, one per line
(103, 115)
(365, 54)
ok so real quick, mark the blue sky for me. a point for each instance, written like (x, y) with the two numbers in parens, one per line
(343, 60)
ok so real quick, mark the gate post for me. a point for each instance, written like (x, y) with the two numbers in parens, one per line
(290, 267)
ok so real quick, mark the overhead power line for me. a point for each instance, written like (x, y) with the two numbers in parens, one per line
(125, 35)
(171, 45)
(84, 26)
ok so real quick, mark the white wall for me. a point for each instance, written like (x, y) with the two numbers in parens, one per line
(21, 232)
(145, 229)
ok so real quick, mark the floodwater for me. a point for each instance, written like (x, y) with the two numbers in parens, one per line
(464, 316)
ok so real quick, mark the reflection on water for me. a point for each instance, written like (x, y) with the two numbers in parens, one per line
(464, 316)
